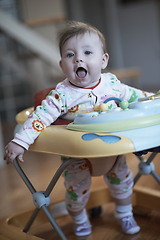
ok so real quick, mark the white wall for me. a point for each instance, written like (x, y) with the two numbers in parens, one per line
(140, 38)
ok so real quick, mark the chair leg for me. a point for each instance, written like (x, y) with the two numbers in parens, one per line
(41, 199)
(53, 223)
(31, 220)
(23, 176)
(147, 167)
(58, 173)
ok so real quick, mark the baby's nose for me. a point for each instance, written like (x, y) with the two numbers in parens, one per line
(78, 59)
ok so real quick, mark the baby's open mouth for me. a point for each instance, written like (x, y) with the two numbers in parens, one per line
(81, 72)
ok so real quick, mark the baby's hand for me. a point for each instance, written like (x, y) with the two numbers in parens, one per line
(13, 150)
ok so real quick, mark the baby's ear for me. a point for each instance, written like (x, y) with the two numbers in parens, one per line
(60, 64)
(105, 59)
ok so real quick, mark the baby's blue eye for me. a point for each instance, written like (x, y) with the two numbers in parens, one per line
(87, 52)
(70, 55)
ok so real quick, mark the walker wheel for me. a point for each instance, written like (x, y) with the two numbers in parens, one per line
(95, 212)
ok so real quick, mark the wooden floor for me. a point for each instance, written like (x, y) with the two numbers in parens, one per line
(16, 198)
(105, 227)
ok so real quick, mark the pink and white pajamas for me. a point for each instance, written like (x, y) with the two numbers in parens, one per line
(78, 182)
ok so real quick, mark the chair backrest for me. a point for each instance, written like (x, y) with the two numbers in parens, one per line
(41, 95)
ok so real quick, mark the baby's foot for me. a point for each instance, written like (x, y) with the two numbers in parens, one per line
(83, 229)
(128, 224)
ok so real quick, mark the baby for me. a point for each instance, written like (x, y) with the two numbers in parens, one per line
(83, 56)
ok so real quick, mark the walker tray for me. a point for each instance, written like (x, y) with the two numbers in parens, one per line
(107, 133)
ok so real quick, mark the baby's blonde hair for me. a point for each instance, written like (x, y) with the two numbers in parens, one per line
(73, 28)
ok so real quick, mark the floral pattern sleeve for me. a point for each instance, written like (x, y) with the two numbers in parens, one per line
(41, 118)
(126, 92)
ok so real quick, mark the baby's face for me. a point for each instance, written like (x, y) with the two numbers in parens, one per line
(83, 59)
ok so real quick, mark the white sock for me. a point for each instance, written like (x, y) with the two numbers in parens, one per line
(122, 211)
(124, 208)
(81, 218)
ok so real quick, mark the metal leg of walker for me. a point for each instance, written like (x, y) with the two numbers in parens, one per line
(41, 199)
(147, 167)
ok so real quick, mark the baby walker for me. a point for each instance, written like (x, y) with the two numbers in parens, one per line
(131, 127)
